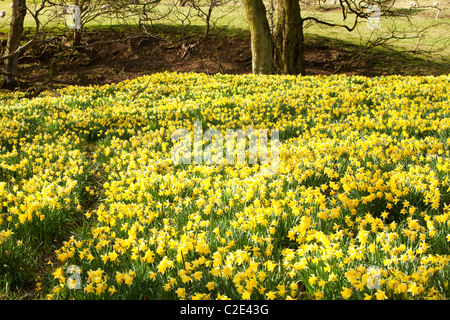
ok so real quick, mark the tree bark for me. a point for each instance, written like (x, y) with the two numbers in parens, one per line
(289, 44)
(77, 32)
(76, 37)
(11, 65)
(261, 38)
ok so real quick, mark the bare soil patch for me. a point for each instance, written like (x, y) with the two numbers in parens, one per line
(228, 54)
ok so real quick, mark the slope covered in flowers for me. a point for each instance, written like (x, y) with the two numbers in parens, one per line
(358, 209)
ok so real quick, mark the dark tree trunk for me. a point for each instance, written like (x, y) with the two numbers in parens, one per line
(261, 38)
(83, 4)
(289, 44)
(76, 37)
(11, 65)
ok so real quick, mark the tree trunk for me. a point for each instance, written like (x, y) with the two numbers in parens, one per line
(11, 65)
(289, 51)
(261, 39)
(76, 37)
(77, 32)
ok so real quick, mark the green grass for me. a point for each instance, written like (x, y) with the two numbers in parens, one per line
(434, 37)
(233, 16)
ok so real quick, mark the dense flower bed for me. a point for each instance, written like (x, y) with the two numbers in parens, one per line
(358, 209)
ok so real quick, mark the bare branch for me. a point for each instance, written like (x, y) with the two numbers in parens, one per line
(330, 24)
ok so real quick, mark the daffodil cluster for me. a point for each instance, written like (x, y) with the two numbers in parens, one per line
(358, 209)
